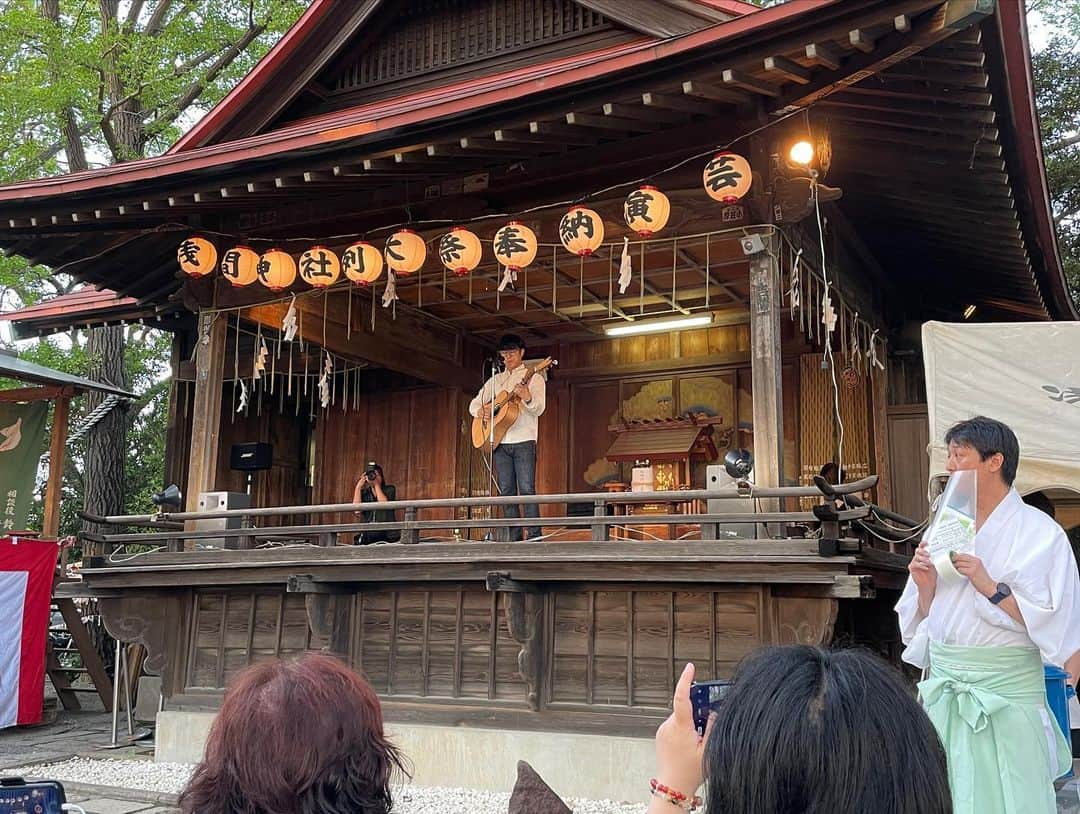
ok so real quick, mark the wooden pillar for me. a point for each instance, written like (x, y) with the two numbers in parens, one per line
(206, 410)
(50, 524)
(765, 365)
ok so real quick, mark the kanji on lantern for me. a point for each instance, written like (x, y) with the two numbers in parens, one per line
(515, 245)
(646, 211)
(197, 256)
(581, 231)
(460, 251)
(362, 263)
(319, 267)
(727, 177)
(405, 251)
(276, 270)
(240, 265)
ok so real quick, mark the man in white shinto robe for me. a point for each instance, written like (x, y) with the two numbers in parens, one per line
(985, 638)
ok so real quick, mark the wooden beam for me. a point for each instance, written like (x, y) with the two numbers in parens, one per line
(951, 17)
(740, 79)
(569, 135)
(621, 125)
(683, 104)
(45, 393)
(766, 366)
(473, 145)
(909, 91)
(903, 121)
(510, 137)
(788, 69)
(206, 407)
(713, 93)
(50, 524)
(824, 55)
(620, 110)
(861, 40)
(976, 115)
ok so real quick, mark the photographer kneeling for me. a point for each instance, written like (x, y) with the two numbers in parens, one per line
(372, 488)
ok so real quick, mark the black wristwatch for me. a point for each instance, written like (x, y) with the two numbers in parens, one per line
(1003, 591)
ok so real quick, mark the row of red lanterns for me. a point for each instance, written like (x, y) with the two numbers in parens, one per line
(726, 178)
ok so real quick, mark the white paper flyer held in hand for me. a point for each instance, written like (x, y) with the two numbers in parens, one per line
(952, 531)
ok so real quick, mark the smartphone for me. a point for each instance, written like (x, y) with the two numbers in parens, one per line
(705, 696)
(19, 797)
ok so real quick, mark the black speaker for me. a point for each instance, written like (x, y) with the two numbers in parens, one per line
(251, 457)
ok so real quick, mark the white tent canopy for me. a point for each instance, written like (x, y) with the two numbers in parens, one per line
(1026, 374)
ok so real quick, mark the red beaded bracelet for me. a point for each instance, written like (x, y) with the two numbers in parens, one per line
(676, 798)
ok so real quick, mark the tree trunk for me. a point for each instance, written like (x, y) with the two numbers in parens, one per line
(106, 443)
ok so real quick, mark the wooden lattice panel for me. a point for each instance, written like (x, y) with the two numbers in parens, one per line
(816, 443)
(434, 35)
(855, 410)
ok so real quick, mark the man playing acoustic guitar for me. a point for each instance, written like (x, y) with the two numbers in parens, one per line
(514, 460)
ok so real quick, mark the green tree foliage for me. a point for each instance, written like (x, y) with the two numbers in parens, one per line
(1057, 88)
(87, 84)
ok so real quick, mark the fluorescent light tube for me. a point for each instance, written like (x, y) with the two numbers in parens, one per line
(650, 326)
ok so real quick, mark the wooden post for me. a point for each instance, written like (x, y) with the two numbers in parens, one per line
(50, 525)
(206, 410)
(765, 366)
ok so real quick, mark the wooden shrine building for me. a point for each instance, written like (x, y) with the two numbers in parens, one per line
(793, 308)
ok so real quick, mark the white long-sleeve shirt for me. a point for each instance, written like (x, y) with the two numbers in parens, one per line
(1024, 548)
(526, 425)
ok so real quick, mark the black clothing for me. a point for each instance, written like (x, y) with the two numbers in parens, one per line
(378, 516)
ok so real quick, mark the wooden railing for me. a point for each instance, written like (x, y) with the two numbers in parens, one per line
(171, 530)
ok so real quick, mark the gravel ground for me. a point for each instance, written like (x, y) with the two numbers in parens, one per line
(170, 778)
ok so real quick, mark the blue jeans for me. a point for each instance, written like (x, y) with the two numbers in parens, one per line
(515, 472)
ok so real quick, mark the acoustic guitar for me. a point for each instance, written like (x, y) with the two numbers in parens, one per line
(505, 409)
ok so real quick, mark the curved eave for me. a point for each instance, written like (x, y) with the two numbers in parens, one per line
(1010, 28)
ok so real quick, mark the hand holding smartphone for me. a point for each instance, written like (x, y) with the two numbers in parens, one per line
(19, 797)
(705, 696)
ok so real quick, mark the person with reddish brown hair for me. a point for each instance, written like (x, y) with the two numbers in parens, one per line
(300, 736)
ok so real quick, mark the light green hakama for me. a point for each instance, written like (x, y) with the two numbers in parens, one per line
(1003, 744)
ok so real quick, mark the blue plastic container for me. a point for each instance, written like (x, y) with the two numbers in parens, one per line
(1058, 693)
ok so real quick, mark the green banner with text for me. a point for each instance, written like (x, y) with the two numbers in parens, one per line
(22, 440)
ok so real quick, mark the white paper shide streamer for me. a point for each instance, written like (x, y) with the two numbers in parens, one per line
(828, 313)
(289, 324)
(243, 401)
(390, 292)
(794, 292)
(626, 267)
(260, 359)
(324, 380)
(509, 277)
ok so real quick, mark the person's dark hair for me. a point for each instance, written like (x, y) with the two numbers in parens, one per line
(296, 737)
(511, 342)
(833, 473)
(1041, 502)
(988, 436)
(817, 731)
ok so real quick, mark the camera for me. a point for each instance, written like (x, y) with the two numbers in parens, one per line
(371, 471)
(705, 697)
